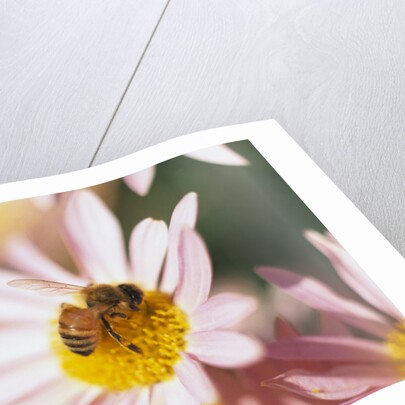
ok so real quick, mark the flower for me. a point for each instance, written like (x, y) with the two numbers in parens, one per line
(243, 386)
(178, 328)
(351, 367)
(140, 182)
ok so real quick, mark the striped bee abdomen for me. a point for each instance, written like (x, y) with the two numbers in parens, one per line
(79, 329)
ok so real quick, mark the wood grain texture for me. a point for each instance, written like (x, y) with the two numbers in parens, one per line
(330, 72)
(64, 66)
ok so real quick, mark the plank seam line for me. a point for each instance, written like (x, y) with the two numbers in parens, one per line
(128, 84)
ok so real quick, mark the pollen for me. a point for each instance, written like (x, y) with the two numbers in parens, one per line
(159, 330)
(396, 346)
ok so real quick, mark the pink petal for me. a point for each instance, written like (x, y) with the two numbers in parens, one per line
(352, 274)
(12, 311)
(219, 154)
(157, 394)
(95, 238)
(136, 397)
(339, 383)
(222, 311)
(22, 254)
(172, 393)
(226, 349)
(319, 296)
(105, 398)
(195, 380)
(331, 327)
(88, 396)
(184, 215)
(14, 338)
(248, 400)
(140, 182)
(321, 348)
(52, 393)
(356, 398)
(28, 377)
(195, 271)
(284, 329)
(148, 244)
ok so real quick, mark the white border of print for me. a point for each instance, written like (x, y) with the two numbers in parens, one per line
(350, 227)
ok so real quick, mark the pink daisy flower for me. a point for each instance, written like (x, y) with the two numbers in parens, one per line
(140, 182)
(179, 329)
(351, 366)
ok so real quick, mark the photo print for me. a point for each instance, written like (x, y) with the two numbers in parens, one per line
(202, 279)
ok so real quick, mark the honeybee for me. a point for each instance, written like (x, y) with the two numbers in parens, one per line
(80, 328)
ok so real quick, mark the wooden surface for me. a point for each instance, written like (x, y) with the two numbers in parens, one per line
(64, 66)
(82, 83)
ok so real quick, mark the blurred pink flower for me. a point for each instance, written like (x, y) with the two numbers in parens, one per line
(243, 386)
(350, 367)
(140, 182)
(33, 371)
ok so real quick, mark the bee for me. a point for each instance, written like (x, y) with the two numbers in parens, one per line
(80, 329)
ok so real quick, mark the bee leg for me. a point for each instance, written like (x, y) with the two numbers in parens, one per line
(120, 339)
(66, 305)
(118, 315)
(147, 307)
(134, 307)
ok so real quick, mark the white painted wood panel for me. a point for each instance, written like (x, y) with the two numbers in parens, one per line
(330, 71)
(64, 66)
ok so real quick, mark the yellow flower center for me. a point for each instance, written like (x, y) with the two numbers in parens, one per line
(396, 345)
(159, 330)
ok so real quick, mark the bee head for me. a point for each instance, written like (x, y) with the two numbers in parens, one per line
(135, 295)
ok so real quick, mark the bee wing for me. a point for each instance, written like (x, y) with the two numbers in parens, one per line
(43, 287)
